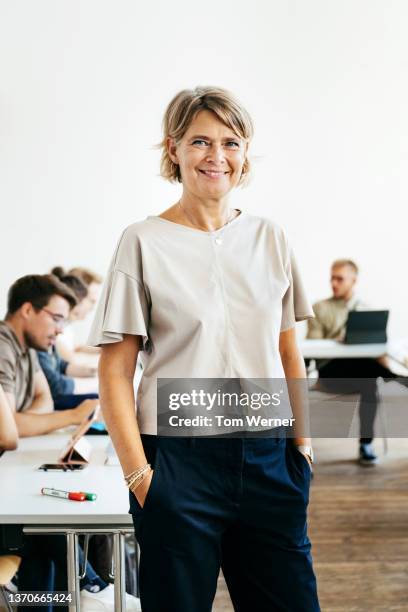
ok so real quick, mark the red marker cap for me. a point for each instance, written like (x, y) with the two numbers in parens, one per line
(76, 496)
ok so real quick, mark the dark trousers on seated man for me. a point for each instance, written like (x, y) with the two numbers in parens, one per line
(357, 376)
(44, 568)
(66, 402)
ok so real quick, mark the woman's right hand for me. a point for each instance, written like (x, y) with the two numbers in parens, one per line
(141, 491)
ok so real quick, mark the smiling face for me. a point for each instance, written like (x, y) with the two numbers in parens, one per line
(210, 157)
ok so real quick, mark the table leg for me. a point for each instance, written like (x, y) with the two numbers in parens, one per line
(119, 559)
(72, 565)
(137, 562)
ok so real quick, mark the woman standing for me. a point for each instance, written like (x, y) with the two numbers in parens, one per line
(206, 291)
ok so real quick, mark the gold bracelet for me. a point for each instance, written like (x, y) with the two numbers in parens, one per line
(133, 488)
(138, 470)
(137, 476)
(136, 473)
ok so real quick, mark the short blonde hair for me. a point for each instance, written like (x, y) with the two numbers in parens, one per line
(183, 109)
(339, 263)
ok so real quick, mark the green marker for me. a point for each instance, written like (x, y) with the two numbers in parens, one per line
(89, 496)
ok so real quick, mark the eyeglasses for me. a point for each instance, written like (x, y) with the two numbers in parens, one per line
(58, 319)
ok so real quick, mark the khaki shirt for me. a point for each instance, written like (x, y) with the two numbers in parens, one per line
(17, 368)
(331, 317)
(207, 304)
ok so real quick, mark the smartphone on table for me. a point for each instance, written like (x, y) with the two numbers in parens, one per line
(64, 467)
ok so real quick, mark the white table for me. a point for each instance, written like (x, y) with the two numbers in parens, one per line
(332, 349)
(22, 501)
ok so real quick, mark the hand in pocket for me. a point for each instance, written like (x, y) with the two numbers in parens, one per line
(141, 491)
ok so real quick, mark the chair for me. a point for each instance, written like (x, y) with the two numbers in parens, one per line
(345, 408)
(9, 565)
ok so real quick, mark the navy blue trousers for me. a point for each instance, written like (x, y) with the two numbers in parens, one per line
(233, 503)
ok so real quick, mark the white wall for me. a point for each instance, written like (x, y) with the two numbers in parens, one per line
(83, 87)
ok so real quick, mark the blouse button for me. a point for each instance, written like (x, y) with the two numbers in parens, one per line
(218, 241)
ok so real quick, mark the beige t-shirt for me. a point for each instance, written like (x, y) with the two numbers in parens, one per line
(331, 317)
(207, 304)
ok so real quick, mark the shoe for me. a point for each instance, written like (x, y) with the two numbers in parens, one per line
(367, 455)
(105, 601)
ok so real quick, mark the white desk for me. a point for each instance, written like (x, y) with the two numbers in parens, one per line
(332, 349)
(22, 501)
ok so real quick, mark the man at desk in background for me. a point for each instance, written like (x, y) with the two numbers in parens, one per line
(330, 323)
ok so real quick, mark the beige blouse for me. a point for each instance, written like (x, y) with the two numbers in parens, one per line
(207, 304)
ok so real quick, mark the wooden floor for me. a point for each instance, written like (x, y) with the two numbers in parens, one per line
(358, 524)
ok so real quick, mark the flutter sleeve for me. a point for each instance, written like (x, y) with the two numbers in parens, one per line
(123, 307)
(295, 304)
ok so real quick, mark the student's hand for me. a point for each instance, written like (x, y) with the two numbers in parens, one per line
(85, 408)
(141, 491)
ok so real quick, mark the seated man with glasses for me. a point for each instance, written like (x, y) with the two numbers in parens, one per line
(355, 375)
(37, 309)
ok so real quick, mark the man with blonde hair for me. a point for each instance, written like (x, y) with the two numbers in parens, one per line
(331, 314)
(357, 375)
